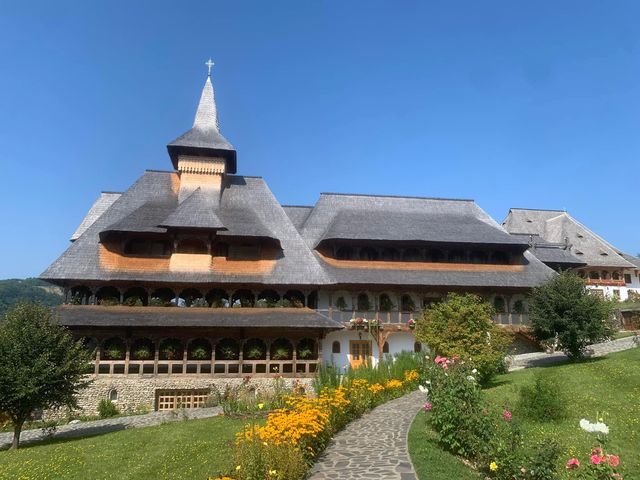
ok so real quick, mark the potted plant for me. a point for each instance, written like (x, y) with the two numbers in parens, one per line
(341, 304)
(227, 350)
(142, 352)
(171, 349)
(305, 349)
(411, 323)
(254, 350)
(113, 350)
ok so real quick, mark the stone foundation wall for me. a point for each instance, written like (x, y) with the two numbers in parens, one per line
(139, 393)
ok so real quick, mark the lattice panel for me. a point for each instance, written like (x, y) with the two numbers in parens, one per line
(172, 399)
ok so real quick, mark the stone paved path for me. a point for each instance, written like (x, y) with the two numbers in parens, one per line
(527, 360)
(98, 427)
(373, 446)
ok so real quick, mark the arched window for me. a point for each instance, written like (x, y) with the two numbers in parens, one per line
(457, 256)
(171, 349)
(113, 349)
(296, 298)
(108, 296)
(363, 302)
(227, 349)
(136, 296)
(113, 395)
(335, 347)
(143, 349)
(500, 258)
(80, 295)
(268, 298)
(499, 305)
(385, 347)
(243, 298)
(192, 246)
(412, 255)
(306, 349)
(312, 300)
(254, 349)
(281, 349)
(193, 298)
(605, 275)
(199, 349)
(594, 275)
(407, 304)
(345, 253)
(368, 253)
(162, 297)
(518, 307)
(479, 257)
(615, 275)
(386, 305)
(417, 347)
(217, 298)
(435, 256)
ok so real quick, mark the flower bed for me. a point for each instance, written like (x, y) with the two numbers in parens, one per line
(292, 437)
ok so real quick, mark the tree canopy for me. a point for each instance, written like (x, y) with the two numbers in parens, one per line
(13, 291)
(562, 309)
(41, 366)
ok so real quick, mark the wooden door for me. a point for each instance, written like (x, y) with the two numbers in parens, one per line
(359, 352)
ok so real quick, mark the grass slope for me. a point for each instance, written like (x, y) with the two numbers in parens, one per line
(606, 387)
(192, 449)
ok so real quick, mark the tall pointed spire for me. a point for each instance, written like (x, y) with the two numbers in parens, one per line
(204, 138)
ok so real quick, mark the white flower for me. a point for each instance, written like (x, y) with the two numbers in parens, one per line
(424, 390)
(598, 427)
(474, 371)
(428, 382)
(471, 378)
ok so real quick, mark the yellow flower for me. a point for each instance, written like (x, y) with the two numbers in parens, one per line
(272, 472)
(238, 468)
(261, 406)
(264, 443)
(493, 466)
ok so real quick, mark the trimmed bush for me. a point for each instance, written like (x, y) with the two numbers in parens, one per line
(107, 409)
(543, 400)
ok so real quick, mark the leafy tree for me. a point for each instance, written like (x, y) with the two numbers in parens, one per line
(563, 309)
(462, 325)
(41, 366)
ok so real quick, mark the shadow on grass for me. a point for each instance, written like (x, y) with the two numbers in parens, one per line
(65, 437)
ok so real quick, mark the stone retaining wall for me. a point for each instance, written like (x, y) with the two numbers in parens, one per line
(139, 393)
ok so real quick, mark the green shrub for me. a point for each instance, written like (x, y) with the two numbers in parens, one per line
(258, 460)
(106, 409)
(458, 411)
(327, 376)
(562, 310)
(543, 399)
(462, 326)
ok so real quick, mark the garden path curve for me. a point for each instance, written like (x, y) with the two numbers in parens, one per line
(373, 446)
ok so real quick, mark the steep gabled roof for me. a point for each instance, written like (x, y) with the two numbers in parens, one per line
(204, 139)
(196, 211)
(298, 214)
(557, 226)
(551, 253)
(100, 206)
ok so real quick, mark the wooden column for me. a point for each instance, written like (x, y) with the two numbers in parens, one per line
(156, 356)
(213, 357)
(127, 356)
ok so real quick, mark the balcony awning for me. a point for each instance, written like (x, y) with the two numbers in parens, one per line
(122, 316)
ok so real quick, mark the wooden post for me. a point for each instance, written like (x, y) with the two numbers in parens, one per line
(127, 355)
(213, 357)
(156, 357)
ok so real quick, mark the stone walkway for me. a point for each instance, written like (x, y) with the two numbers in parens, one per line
(373, 446)
(98, 427)
(526, 360)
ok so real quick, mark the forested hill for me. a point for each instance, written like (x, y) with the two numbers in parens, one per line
(14, 290)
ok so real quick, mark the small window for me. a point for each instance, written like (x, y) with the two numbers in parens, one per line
(385, 347)
(335, 347)
(244, 252)
(498, 304)
(113, 395)
(615, 276)
(616, 293)
(192, 246)
(627, 278)
(417, 347)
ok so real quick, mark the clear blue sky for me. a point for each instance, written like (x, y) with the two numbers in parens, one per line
(511, 103)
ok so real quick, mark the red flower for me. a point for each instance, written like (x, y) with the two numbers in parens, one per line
(614, 460)
(598, 459)
(573, 463)
(506, 416)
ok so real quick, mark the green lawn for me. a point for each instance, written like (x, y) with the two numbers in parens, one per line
(608, 386)
(431, 462)
(192, 449)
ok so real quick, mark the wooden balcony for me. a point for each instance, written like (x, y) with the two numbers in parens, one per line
(605, 283)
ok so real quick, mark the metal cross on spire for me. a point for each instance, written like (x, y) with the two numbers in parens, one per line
(209, 64)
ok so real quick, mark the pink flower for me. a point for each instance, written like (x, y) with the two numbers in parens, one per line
(614, 460)
(597, 459)
(427, 407)
(440, 360)
(456, 358)
(596, 451)
(506, 416)
(573, 463)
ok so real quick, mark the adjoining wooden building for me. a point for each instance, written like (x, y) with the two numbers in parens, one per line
(197, 276)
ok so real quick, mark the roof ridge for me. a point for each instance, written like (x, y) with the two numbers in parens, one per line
(297, 206)
(397, 196)
(110, 192)
(538, 209)
(159, 171)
